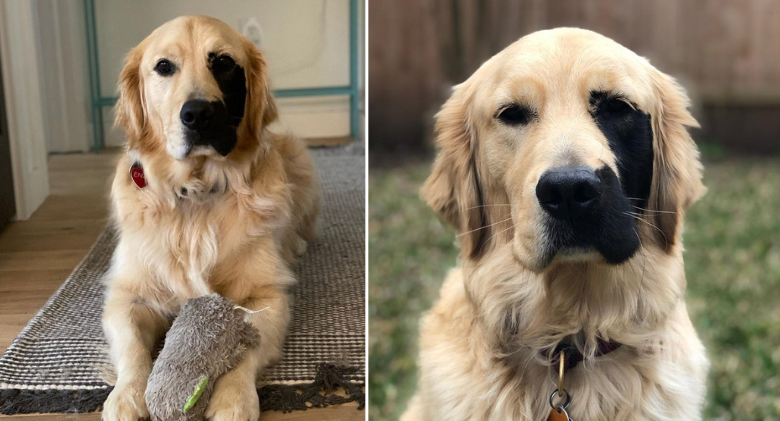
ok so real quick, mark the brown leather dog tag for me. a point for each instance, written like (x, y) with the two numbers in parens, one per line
(559, 415)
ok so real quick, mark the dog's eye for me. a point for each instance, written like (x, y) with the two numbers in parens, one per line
(615, 106)
(164, 67)
(224, 63)
(514, 115)
(610, 105)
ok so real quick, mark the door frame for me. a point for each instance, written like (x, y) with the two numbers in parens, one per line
(24, 109)
(7, 204)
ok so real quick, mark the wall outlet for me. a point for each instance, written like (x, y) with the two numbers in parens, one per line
(252, 30)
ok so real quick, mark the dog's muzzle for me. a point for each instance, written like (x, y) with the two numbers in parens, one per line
(586, 210)
(207, 123)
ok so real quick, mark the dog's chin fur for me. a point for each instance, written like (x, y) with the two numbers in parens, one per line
(542, 257)
(545, 258)
(207, 151)
(587, 299)
(515, 298)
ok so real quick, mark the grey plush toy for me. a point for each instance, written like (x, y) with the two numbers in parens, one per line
(206, 340)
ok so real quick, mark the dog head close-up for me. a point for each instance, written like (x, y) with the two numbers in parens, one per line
(194, 87)
(569, 147)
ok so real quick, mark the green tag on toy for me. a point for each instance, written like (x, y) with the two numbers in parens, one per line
(196, 394)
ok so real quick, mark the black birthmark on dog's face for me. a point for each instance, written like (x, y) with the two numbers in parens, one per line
(232, 82)
(221, 130)
(610, 226)
(630, 135)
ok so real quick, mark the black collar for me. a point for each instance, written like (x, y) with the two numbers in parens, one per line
(573, 356)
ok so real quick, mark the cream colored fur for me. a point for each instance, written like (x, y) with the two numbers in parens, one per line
(482, 342)
(245, 218)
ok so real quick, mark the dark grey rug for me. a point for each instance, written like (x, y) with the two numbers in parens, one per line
(56, 362)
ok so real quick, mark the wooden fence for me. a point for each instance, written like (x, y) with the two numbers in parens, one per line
(726, 52)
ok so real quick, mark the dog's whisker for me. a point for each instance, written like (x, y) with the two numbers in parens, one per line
(511, 226)
(488, 205)
(639, 218)
(646, 209)
(655, 211)
(483, 227)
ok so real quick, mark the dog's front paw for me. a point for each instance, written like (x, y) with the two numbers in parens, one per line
(126, 403)
(233, 401)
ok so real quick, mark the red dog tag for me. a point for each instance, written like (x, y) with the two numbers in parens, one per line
(137, 174)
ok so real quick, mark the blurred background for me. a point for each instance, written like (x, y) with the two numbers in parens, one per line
(725, 52)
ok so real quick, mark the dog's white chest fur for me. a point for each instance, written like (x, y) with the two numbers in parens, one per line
(664, 381)
(181, 239)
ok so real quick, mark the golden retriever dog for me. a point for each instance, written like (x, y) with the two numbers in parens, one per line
(565, 165)
(205, 200)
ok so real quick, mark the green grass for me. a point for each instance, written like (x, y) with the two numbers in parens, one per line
(732, 240)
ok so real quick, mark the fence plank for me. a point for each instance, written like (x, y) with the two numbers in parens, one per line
(724, 51)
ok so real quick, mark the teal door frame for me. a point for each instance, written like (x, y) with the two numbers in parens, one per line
(99, 102)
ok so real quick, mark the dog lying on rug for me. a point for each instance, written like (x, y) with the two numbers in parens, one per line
(565, 165)
(205, 200)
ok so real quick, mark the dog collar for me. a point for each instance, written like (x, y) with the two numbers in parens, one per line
(573, 356)
(137, 175)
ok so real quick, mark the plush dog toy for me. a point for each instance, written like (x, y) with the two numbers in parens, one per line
(206, 340)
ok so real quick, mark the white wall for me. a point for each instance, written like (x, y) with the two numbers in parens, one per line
(306, 44)
(23, 105)
(64, 77)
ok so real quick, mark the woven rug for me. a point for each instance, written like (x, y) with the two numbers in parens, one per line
(56, 363)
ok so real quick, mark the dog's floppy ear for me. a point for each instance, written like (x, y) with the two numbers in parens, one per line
(454, 189)
(261, 108)
(678, 171)
(129, 111)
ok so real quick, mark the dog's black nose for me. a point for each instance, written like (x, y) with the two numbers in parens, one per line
(197, 114)
(568, 192)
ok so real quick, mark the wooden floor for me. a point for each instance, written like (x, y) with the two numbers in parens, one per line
(38, 254)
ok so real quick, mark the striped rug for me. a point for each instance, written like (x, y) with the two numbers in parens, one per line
(57, 362)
